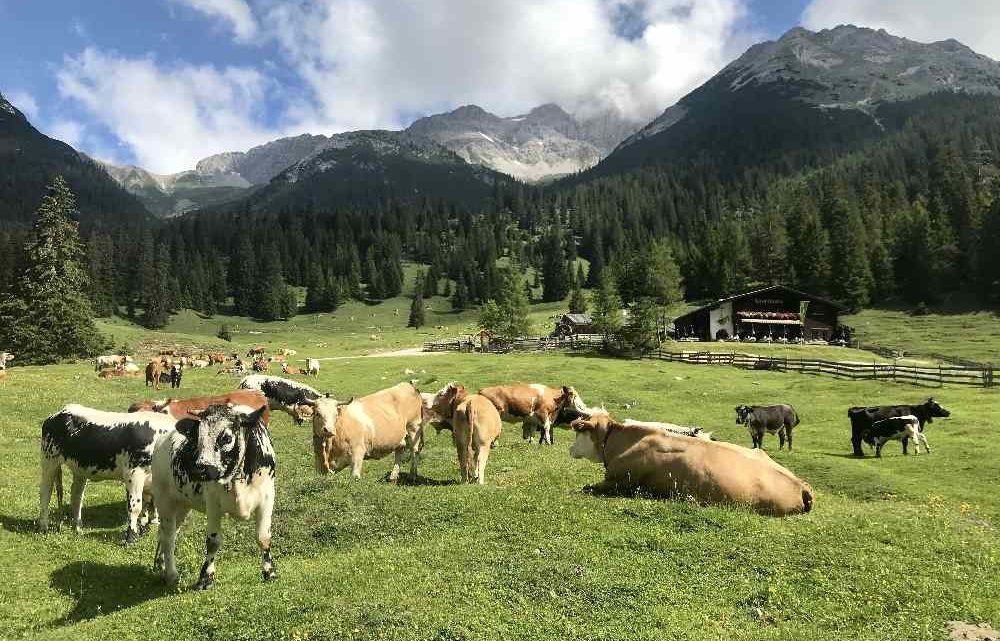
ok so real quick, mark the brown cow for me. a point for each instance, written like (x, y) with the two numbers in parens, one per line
(255, 352)
(153, 374)
(116, 373)
(186, 407)
(216, 357)
(388, 421)
(674, 466)
(277, 358)
(260, 365)
(292, 370)
(534, 405)
(475, 424)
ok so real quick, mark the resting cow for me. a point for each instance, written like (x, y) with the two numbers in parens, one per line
(694, 432)
(534, 405)
(896, 428)
(862, 418)
(220, 463)
(99, 446)
(370, 427)
(672, 466)
(774, 419)
(284, 394)
(186, 407)
(475, 425)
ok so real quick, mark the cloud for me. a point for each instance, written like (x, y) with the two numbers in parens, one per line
(25, 102)
(974, 23)
(69, 131)
(169, 117)
(236, 12)
(369, 63)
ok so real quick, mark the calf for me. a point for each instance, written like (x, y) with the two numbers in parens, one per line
(862, 418)
(896, 428)
(671, 466)
(283, 394)
(775, 419)
(221, 462)
(99, 446)
(291, 370)
(200, 363)
(475, 426)
(388, 421)
(153, 370)
(110, 362)
(176, 373)
(534, 405)
(186, 407)
(312, 365)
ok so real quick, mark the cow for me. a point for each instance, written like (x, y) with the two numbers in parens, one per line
(664, 464)
(288, 352)
(291, 370)
(107, 374)
(534, 405)
(186, 407)
(255, 352)
(862, 418)
(5, 357)
(132, 368)
(99, 446)
(370, 427)
(284, 394)
(681, 430)
(312, 366)
(475, 426)
(277, 358)
(153, 371)
(260, 365)
(221, 462)
(216, 357)
(110, 362)
(172, 376)
(896, 428)
(774, 419)
(200, 363)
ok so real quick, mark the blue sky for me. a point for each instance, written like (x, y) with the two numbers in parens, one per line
(163, 83)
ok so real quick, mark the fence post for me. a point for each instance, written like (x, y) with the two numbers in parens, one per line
(940, 379)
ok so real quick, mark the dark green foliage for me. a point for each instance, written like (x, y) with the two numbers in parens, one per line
(47, 315)
(577, 301)
(507, 315)
(224, 333)
(607, 308)
(640, 332)
(417, 305)
(555, 275)
(649, 273)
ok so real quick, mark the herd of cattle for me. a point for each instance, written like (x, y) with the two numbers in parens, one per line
(214, 454)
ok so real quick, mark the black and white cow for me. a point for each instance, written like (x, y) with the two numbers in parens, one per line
(896, 428)
(775, 419)
(283, 394)
(223, 462)
(862, 418)
(99, 446)
(172, 375)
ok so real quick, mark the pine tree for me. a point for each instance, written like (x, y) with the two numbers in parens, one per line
(989, 251)
(507, 316)
(852, 278)
(577, 301)
(555, 276)
(48, 316)
(460, 300)
(640, 332)
(417, 305)
(607, 308)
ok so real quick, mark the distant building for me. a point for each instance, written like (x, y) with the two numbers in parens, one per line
(573, 324)
(777, 311)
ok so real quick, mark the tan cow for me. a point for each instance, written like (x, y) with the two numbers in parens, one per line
(186, 407)
(370, 427)
(216, 357)
(153, 374)
(534, 405)
(475, 425)
(674, 466)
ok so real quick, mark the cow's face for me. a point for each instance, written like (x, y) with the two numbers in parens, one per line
(585, 444)
(444, 402)
(934, 410)
(325, 412)
(218, 439)
(742, 414)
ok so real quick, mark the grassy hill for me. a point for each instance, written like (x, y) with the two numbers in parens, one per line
(972, 335)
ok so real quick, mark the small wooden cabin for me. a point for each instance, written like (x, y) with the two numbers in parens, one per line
(573, 324)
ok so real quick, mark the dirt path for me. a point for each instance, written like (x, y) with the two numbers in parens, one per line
(409, 351)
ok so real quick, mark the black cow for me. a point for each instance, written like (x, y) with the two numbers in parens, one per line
(99, 446)
(221, 463)
(862, 418)
(283, 394)
(779, 419)
(896, 428)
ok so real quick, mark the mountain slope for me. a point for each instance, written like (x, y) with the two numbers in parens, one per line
(29, 161)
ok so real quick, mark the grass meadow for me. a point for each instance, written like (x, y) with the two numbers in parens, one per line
(894, 548)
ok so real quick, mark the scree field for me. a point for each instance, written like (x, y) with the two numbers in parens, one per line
(894, 548)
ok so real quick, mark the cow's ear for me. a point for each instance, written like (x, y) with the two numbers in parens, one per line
(188, 428)
(567, 389)
(582, 425)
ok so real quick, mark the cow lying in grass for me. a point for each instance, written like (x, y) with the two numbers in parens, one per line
(475, 425)
(672, 466)
(221, 462)
(896, 428)
(99, 446)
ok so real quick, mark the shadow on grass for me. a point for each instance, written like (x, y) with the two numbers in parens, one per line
(108, 515)
(406, 479)
(98, 588)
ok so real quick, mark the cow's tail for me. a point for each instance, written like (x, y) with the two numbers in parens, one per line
(807, 500)
(59, 489)
(795, 417)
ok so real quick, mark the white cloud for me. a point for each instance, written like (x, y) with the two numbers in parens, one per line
(25, 102)
(69, 131)
(170, 118)
(974, 23)
(236, 12)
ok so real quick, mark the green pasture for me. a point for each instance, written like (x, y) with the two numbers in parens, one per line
(893, 549)
(974, 336)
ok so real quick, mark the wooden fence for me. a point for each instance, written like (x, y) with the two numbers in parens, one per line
(979, 375)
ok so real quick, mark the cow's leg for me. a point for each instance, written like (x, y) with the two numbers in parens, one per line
(416, 445)
(906, 441)
(781, 439)
(923, 439)
(170, 521)
(264, 511)
(788, 435)
(50, 469)
(133, 500)
(76, 501)
(482, 455)
(546, 431)
(396, 463)
(856, 434)
(149, 513)
(463, 459)
(878, 448)
(213, 541)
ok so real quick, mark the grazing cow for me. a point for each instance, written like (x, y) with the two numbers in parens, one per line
(388, 421)
(312, 365)
(107, 374)
(896, 428)
(291, 370)
(534, 405)
(862, 418)
(99, 446)
(222, 462)
(255, 352)
(475, 426)
(187, 407)
(284, 394)
(260, 365)
(774, 419)
(110, 362)
(671, 466)
(216, 357)
(153, 371)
